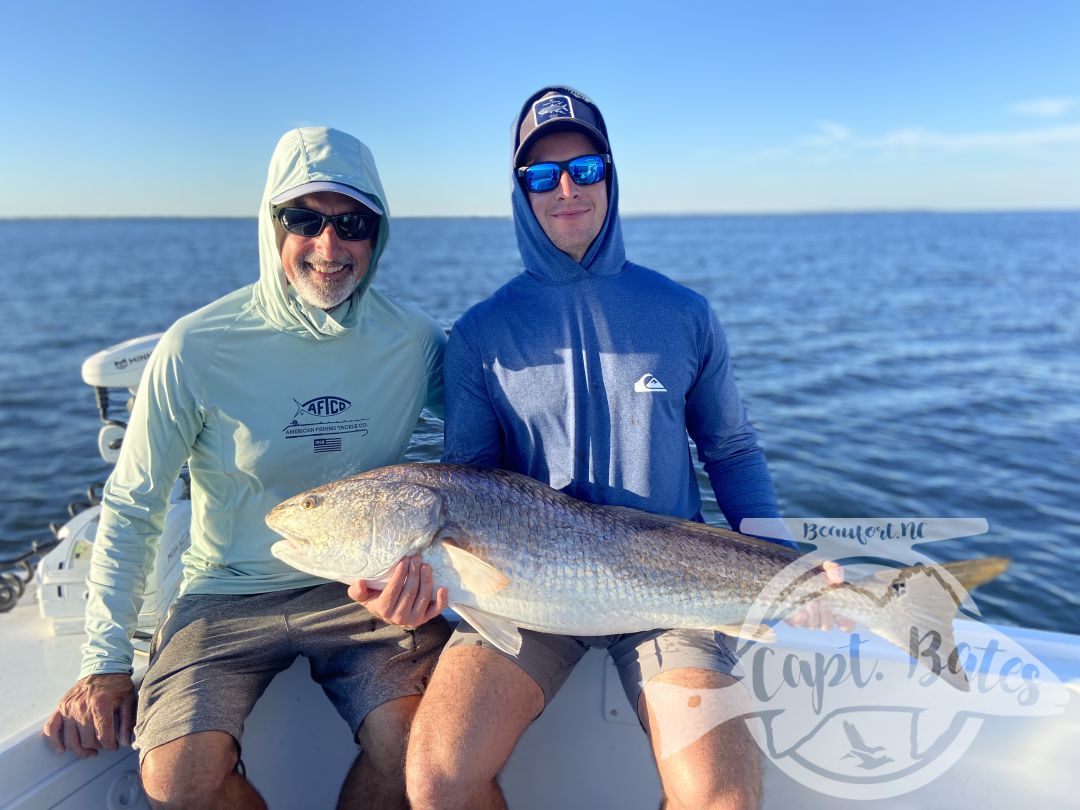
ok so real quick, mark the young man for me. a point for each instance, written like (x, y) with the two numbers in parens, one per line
(587, 372)
(305, 376)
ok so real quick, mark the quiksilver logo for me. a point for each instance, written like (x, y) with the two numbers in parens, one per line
(648, 384)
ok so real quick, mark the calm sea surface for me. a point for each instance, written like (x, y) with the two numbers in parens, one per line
(895, 365)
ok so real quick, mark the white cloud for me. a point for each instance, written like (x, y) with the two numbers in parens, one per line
(1044, 107)
(834, 139)
(920, 138)
(829, 133)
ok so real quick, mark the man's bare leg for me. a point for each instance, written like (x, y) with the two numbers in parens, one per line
(377, 778)
(476, 707)
(195, 772)
(722, 768)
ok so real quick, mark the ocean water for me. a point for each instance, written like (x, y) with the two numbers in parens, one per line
(894, 365)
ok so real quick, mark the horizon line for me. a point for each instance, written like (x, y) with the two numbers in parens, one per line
(633, 215)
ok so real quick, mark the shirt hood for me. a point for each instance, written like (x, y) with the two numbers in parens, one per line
(545, 262)
(305, 155)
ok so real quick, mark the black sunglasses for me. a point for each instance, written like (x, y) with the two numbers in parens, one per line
(304, 222)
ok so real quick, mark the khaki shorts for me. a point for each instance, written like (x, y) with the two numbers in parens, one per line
(215, 655)
(639, 657)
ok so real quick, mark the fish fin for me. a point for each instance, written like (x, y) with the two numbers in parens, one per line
(751, 632)
(501, 632)
(482, 578)
(913, 608)
(644, 519)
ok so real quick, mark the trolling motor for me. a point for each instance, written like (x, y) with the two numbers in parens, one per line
(118, 367)
(62, 563)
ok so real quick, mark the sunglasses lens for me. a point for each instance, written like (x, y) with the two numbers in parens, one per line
(301, 221)
(542, 177)
(587, 170)
(353, 227)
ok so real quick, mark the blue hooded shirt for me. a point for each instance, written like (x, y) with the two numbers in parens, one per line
(589, 376)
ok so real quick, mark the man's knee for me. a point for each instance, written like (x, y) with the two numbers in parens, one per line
(701, 797)
(722, 774)
(429, 776)
(437, 768)
(188, 771)
(474, 711)
(706, 755)
(384, 732)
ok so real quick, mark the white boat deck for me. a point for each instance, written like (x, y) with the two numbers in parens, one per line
(586, 751)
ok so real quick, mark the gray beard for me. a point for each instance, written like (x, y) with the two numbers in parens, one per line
(314, 289)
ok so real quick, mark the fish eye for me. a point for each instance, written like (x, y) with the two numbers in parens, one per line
(310, 502)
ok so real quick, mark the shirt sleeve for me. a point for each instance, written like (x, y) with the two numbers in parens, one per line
(473, 434)
(434, 351)
(726, 441)
(163, 428)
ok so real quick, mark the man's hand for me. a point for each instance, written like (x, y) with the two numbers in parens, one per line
(818, 614)
(408, 597)
(86, 718)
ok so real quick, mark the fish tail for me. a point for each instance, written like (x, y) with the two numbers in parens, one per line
(913, 608)
(973, 573)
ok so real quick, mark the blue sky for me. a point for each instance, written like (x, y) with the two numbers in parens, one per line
(150, 108)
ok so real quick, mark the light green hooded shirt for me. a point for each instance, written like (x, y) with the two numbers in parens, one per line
(263, 396)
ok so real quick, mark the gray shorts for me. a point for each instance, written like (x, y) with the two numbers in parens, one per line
(639, 657)
(215, 655)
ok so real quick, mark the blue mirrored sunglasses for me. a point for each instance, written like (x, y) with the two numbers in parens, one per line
(304, 222)
(584, 170)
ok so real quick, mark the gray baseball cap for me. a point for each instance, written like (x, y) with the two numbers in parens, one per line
(327, 185)
(558, 108)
